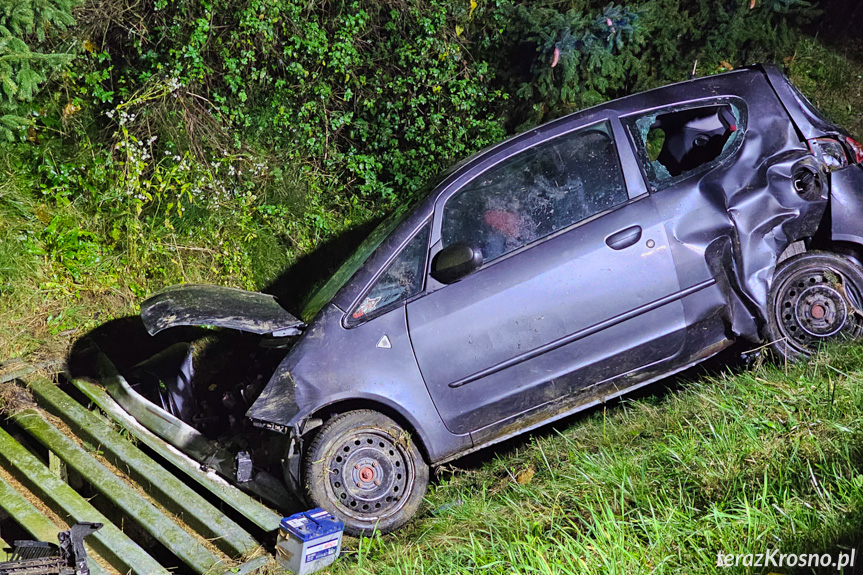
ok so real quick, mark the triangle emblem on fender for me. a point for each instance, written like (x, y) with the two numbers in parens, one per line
(384, 343)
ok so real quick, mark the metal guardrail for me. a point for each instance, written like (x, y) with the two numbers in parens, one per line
(259, 514)
(163, 486)
(165, 498)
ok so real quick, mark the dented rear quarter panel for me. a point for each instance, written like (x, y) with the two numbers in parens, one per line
(747, 201)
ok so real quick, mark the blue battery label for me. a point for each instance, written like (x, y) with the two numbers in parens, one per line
(315, 556)
(325, 549)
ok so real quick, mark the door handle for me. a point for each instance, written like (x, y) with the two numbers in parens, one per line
(624, 238)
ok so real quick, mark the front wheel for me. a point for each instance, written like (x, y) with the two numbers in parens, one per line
(367, 471)
(815, 297)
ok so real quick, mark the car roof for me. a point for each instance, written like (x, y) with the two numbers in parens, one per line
(670, 94)
(679, 93)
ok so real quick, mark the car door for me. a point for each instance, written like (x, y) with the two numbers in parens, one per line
(707, 189)
(577, 286)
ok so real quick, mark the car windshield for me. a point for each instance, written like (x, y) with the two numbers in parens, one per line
(357, 259)
(374, 239)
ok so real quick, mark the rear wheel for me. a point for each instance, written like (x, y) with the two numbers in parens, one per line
(815, 297)
(367, 471)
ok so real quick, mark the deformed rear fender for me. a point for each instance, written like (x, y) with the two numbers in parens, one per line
(767, 223)
(810, 123)
(199, 304)
(738, 221)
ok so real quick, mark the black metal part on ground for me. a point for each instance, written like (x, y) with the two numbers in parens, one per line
(42, 558)
(72, 545)
(22, 511)
(111, 543)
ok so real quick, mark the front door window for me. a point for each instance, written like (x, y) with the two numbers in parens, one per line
(536, 193)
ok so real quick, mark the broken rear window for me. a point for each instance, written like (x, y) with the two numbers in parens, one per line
(677, 143)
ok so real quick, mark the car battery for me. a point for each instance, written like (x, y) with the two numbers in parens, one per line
(309, 541)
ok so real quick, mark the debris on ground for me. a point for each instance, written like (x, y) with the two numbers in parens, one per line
(43, 558)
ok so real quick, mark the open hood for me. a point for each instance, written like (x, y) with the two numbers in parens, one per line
(201, 304)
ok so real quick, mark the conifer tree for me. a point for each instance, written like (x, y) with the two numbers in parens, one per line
(24, 27)
(583, 52)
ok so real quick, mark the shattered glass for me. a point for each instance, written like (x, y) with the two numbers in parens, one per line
(677, 143)
(536, 193)
(401, 280)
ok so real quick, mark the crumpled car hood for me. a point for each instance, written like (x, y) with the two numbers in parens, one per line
(218, 306)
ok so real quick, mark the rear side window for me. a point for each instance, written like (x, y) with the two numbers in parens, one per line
(677, 143)
(536, 193)
(402, 279)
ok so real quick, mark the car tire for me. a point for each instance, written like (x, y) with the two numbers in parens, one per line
(815, 297)
(367, 471)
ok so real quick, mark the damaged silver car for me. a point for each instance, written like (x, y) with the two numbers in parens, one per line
(561, 268)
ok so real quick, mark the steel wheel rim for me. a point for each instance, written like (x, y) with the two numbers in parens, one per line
(811, 307)
(369, 475)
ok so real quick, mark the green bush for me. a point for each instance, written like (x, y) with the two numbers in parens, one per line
(558, 57)
(363, 95)
(372, 99)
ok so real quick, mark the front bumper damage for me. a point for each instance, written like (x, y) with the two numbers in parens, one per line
(211, 455)
(256, 313)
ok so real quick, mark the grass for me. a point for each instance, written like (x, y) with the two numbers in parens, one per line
(43, 306)
(65, 268)
(736, 462)
(832, 78)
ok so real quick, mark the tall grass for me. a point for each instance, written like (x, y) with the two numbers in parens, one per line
(19, 266)
(733, 463)
(832, 78)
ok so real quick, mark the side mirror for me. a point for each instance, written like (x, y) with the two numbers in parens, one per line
(455, 262)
